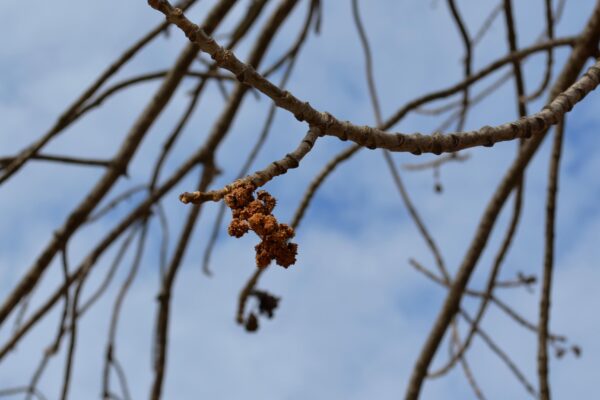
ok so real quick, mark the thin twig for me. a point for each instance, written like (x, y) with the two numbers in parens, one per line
(164, 297)
(436, 163)
(548, 262)
(259, 178)
(90, 162)
(550, 53)
(110, 275)
(22, 389)
(467, 60)
(148, 77)
(115, 202)
(117, 307)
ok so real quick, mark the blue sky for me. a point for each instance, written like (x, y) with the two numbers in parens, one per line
(353, 314)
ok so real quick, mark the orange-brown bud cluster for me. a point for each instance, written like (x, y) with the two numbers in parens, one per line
(255, 214)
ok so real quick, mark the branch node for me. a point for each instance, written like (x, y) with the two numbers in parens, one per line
(488, 133)
(370, 138)
(436, 143)
(526, 127)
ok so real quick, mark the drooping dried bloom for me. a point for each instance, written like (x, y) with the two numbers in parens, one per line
(267, 303)
(255, 214)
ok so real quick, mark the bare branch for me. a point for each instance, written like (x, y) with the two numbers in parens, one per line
(374, 138)
(259, 178)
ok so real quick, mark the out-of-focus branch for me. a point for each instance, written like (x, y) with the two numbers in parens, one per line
(164, 297)
(550, 21)
(127, 83)
(575, 63)
(548, 262)
(437, 162)
(67, 117)
(110, 353)
(118, 166)
(91, 162)
(467, 60)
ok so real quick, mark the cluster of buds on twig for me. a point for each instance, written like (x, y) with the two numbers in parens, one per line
(255, 214)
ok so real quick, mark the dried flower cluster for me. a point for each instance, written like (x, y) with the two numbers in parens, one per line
(255, 214)
(267, 303)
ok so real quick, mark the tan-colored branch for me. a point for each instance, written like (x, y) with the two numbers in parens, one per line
(370, 137)
(259, 178)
